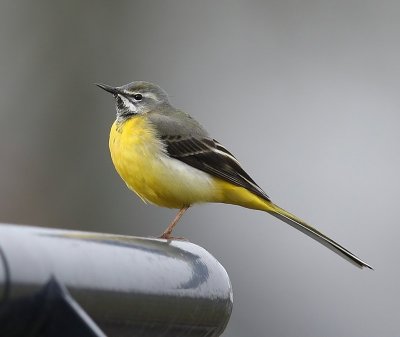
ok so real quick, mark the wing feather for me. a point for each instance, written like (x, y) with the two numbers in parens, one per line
(208, 155)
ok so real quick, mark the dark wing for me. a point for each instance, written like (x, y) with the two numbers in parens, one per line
(210, 156)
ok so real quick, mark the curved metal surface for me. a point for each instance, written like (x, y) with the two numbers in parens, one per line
(130, 286)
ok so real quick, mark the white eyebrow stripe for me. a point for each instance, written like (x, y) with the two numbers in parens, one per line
(150, 95)
(146, 94)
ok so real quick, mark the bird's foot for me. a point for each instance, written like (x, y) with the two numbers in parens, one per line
(167, 236)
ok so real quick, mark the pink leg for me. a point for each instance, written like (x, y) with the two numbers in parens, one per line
(168, 231)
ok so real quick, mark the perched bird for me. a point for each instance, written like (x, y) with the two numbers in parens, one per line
(168, 159)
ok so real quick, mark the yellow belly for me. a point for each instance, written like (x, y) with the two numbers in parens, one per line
(139, 158)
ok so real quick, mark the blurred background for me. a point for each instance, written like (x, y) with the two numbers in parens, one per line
(304, 93)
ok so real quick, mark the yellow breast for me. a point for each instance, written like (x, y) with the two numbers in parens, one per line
(140, 159)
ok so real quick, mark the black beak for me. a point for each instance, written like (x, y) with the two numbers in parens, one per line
(112, 90)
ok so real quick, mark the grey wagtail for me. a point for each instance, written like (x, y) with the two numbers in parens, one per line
(168, 159)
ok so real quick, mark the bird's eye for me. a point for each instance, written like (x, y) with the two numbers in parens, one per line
(137, 97)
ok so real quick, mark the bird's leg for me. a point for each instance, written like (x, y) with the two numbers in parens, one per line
(168, 231)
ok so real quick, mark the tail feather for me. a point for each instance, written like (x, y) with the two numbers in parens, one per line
(240, 196)
(300, 225)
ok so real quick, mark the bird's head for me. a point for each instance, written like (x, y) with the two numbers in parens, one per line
(136, 98)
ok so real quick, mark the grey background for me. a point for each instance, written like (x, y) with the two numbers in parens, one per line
(304, 93)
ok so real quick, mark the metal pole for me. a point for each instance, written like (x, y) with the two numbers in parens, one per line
(128, 286)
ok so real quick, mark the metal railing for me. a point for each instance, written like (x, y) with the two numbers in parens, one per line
(70, 283)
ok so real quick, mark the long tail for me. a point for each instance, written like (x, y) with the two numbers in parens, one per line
(299, 224)
(236, 195)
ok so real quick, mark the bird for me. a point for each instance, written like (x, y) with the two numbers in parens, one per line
(169, 159)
